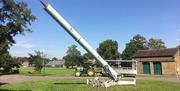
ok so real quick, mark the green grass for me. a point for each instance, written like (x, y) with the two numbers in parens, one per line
(48, 72)
(80, 85)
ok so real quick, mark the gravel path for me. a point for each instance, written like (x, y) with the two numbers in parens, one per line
(14, 79)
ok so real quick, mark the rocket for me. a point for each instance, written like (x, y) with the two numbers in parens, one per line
(77, 37)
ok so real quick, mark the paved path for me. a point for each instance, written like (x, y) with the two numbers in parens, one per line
(14, 79)
(168, 79)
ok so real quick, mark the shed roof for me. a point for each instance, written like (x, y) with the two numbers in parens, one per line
(168, 52)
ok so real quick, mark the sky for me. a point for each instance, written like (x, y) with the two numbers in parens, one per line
(99, 20)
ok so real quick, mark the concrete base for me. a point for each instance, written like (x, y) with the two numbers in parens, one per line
(95, 82)
(120, 82)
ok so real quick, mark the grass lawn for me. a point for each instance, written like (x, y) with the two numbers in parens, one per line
(48, 72)
(80, 85)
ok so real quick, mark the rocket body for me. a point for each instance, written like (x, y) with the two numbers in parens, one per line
(70, 30)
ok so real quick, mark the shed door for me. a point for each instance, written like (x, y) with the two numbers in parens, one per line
(157, 69)
(146, 68)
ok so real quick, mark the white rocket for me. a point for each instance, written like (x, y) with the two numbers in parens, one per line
(70, 30)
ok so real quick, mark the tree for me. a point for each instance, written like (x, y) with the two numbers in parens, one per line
(9, 63)
(108, 49)
(54, 59)
(38, 60)
(155, 44)
(73, 57)
(129, 51)
(137, 43)
(14, 20)
(87, 56)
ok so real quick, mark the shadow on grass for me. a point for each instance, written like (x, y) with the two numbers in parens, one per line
(1, 83)
(68, 83)
(35, 74)
(13, 90)
(1, 74)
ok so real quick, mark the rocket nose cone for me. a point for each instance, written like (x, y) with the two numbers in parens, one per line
(43, 3)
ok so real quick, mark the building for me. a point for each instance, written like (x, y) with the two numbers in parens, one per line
(24, 61)
(55, 63)
(158, 62)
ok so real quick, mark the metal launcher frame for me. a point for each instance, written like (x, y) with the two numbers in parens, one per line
(112, 74)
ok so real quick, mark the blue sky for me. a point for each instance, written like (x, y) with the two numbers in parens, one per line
(98, 20)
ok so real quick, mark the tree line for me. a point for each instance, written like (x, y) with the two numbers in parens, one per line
(108, 49)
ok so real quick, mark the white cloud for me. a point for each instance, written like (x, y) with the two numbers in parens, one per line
(22, 48)
(24, 44)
